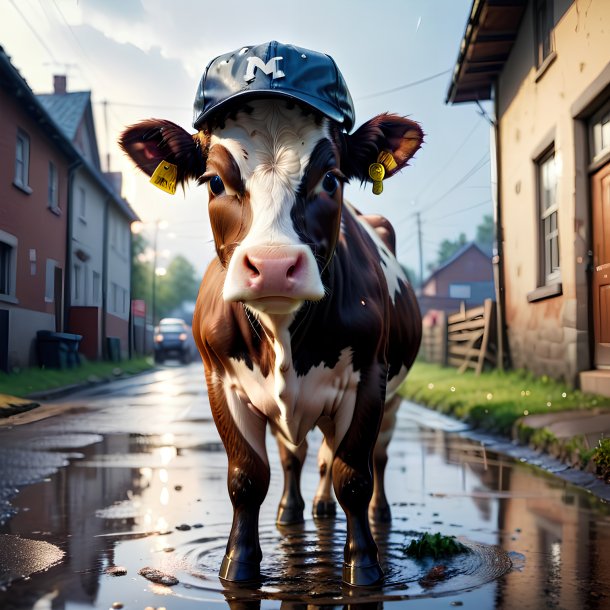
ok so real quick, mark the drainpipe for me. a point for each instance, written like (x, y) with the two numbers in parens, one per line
(72, 169)
(503, 354)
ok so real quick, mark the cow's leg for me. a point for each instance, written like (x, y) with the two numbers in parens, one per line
(323, 503)
(353, 481)
(291, 505)
(379, 509)
(247, 480)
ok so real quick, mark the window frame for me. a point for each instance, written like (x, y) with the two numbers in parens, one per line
(53, 188)
(543, 32)
(21, 178)
(548, 231)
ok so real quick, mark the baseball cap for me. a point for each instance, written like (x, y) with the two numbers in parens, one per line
(273, 69)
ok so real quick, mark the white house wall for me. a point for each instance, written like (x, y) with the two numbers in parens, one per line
(88, 237)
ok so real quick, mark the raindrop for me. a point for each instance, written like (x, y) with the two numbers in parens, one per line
(430, 386)
(526, 412)
(564, 395)
(452, 388)
(548, 404)
(489, 395)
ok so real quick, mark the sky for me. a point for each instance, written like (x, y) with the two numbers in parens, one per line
(144, 58)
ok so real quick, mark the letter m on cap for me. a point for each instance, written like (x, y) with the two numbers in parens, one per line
(271, 67)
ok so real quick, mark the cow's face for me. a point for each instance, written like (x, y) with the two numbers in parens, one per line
(275, 193)
(275, 177)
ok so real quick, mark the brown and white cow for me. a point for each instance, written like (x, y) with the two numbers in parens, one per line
(305, 318)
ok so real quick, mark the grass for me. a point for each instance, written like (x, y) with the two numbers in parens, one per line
(436, 546)
(33, 380)
(495, 400)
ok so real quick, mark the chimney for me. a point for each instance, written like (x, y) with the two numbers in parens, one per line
(60, 84)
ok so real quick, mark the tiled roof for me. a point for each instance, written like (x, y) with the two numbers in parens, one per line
(67, 109)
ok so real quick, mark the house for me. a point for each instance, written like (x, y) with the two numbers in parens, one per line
(466, 277)
(99, 233)
(65, 238)
(38, 166)
(545, 64)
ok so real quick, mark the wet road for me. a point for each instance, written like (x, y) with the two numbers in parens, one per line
(132, 474)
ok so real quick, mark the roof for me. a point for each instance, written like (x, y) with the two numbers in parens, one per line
(11, 79)
(67, 109)
(489, 37)
(458, 254)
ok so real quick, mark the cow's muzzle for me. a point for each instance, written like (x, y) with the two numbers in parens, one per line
(276, 279)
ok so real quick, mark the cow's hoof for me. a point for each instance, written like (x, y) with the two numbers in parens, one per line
(324, 508)
(289, 515)
(239, 571)
(380, 514)
(362, 576)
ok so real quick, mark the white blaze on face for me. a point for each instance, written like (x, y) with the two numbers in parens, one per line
(272, 146)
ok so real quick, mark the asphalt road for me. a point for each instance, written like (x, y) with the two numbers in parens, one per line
(132, 475)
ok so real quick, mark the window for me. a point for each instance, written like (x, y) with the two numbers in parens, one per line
(77, 282)
(6, 254)
(53, 199)
(600, 133)
(549, 228)
(82, 205)
(49, 293)
(544, 30)
(22, 161)
(459, 291)
(96, 287)
(8, 266)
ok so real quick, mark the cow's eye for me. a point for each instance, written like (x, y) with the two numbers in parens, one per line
(330, 183)
(217, 186)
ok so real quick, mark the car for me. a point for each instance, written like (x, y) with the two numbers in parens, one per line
(173, 338)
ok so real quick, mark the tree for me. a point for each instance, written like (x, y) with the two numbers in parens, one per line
(486, 234)
(141, 270)
(178, 285)
(446, 249)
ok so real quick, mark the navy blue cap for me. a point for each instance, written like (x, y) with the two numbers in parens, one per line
(273, 69)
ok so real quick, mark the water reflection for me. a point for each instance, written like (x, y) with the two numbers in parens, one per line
(160, 500)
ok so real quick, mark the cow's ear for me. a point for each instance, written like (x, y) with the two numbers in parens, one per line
(385, 133)
(155, 140)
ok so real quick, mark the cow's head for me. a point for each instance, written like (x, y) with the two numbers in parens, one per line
(274, 166)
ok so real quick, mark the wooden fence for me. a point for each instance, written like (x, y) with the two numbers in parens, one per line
(471, 337)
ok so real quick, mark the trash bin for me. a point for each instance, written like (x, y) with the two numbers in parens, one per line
(113, 345)
(58, 350)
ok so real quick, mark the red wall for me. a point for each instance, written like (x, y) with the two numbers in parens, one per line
(27, 216)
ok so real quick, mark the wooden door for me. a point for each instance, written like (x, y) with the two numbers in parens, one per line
(601, 266)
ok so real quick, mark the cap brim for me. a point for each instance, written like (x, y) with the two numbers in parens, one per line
(230, 103)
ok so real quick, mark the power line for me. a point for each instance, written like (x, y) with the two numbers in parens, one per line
(33, 30)
(131, 105)
(475, 168)
(432, 180)
(472, 207)
(401, 87)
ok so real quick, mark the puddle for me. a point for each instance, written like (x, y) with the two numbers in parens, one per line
(20, 558)
(144, 485)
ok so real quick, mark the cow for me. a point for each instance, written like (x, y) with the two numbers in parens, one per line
(304, 318)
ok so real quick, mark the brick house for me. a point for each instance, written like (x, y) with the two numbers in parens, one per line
(38, 164)
(546, 66)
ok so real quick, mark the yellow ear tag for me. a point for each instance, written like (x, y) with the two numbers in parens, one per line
(387, 160)
(164, 177)
(376, 174)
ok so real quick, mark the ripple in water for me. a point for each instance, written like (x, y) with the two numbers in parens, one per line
(303, 563)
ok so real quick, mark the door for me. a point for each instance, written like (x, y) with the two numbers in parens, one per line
(58, 298)
(601, 266)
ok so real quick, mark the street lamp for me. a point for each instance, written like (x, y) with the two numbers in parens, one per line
(138, 227)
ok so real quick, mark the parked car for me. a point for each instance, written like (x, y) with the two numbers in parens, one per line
(173, 338)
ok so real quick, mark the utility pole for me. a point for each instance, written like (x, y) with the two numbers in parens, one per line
(421, 256)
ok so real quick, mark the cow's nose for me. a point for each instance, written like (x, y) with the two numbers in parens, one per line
(273, 271)
(263, 272)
